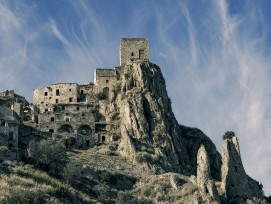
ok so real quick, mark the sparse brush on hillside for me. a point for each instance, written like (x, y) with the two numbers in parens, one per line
(48, 155)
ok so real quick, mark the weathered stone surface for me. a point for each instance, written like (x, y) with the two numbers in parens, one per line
(194, 138)
(236, 185)
(204, 180)
(147, 119)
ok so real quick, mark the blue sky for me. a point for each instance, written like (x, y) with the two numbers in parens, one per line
(215, 56)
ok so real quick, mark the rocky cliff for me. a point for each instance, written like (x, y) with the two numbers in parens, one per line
(152, 137)
(150, 159)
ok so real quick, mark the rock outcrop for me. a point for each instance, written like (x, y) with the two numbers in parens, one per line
(194, 138)
(149, 130)
(236, 184)
(204, 180)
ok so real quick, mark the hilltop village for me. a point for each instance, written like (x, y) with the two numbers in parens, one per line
(69, 110)
(118, 142)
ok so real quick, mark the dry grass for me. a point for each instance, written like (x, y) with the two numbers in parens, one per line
(25, 178)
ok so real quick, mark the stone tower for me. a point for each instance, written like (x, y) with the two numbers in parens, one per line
(133, 49)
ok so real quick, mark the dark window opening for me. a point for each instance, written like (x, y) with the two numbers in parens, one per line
(106, 81)
(52, 119)
(45, 109)
(51, 130)
(2, 122)
(103, 138)
(46, 104)
(56, 100)
(70, 99)
(83, 114)
(67, 113)
(70, 90)
(82, 91)
(132, 54)
(57, 92)
(10, 146)
(87, 143)
(11, 135)
(45, 93)
(78, 108)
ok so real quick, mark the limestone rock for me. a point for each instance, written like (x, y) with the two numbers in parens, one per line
(204, 180)
(147, 122)
(193, 138)
(236, 185)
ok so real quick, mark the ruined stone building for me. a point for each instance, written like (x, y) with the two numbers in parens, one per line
(74, 110)
(11, 118)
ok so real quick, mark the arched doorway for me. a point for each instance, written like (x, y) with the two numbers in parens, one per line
(66, 129)
(106, 91)
(84, 130)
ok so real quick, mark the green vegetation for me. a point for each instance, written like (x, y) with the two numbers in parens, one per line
(48, 155)
(24, 196)
(146, 157)
(228, 135)
(128, 197)
(101, 96)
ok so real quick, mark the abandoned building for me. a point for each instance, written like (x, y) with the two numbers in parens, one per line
(72, 111)
(9, 132)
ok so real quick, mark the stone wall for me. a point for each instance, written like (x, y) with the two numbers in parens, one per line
(133, 48)
(9, 127)
(63, 93)
(104, 80)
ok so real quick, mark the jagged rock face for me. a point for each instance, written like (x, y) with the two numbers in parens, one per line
(203, 170)
(194, 138)
(236, 185)
(204, 180)
(148, 126)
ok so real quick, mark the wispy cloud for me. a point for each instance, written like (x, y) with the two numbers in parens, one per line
(215, 62)
(221, 80)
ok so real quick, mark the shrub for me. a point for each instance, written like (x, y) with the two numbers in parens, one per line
(128, 197)
(101, 96)
(228, 135)
(48, 155)
(24, 196)
(146, 157)
(3, 149)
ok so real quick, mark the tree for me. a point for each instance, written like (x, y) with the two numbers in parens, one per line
(48, 155)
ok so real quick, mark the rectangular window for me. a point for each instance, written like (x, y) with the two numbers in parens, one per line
(45, 93)
(70, 99)
(70, 90)
(11, 135)
(52, 119)
(2, 122)
(82, 91)
(106, 81)
(78, 108)
(56, 100)
(45, 109)
(141, 54)
(57, 92)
